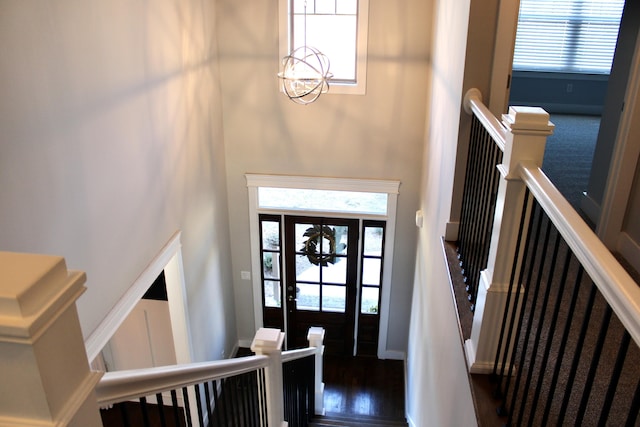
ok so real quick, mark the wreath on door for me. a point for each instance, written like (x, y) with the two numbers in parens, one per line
(312, 245)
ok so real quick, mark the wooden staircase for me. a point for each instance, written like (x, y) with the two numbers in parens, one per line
(342, 420)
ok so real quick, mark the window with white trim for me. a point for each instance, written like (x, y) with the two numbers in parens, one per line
(567, 36)
(338, 28)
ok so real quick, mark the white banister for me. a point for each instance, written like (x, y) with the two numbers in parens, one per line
(316, 340)
(527, 129)
(298, 353)
(473, 105)
(44, 369)
(616, 285)
(119, 386)
(268, 342)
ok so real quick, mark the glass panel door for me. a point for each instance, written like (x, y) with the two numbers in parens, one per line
(321, 259)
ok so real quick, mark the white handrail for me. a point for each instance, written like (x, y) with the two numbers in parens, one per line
(616, 285)
(473, 105)
(129, 384)
(290, 355)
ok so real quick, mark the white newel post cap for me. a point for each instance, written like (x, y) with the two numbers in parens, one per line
(43, 363)
(528, 129)
(267, 339)
(316, 333)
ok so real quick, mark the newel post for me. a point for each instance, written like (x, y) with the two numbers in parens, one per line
(316, 339)
(268, 342)
(528, 129)
(44, 369)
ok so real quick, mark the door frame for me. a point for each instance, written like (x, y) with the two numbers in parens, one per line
(622, 170)
(389, 187)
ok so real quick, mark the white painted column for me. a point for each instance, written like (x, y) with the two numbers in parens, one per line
(44, 369)
(316, 339)
(268, 342)
(528, 129)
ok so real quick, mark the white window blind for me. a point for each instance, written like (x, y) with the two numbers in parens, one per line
(568, 36)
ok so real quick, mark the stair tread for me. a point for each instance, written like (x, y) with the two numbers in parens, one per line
(343, 420)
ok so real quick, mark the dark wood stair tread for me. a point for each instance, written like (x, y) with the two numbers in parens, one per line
(342, 420)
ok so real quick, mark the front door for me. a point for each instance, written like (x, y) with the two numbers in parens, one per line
(321, 287)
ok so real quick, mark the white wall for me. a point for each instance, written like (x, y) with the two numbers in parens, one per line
(438, 391)
(111, 141)
(377, 135)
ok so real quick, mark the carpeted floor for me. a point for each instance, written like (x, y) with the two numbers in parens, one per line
(569, 153)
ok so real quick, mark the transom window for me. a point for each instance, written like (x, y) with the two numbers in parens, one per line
(338, 28)
(322, 200)
(568, 36)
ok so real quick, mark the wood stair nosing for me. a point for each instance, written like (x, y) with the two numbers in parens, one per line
(356, 421)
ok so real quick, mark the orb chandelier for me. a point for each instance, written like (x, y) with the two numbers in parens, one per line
(305, 72)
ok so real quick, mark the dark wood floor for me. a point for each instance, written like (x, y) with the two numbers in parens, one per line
(364, 386)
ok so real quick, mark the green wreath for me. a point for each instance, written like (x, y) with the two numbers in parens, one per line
(311, 246)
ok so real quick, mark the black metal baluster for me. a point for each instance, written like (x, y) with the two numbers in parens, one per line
(594, 364)
(207, 401)
(124, 415)
(226, 398)
(176, 408)
(576, 355)
(145, 413)
(160, 402)
(563, 341)
(533, 236)
(530, 274)
(216, 402)
(529, 328)
(265, 410)
(635, 407)
(196, 387)
(509, 309)
(187, 406)
(538, 335)
(615, 378)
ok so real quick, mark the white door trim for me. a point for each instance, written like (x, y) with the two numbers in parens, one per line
(390, 187)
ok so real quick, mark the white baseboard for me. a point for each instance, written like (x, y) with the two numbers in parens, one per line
(392, 355)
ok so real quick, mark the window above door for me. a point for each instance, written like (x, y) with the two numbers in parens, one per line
(338, 28)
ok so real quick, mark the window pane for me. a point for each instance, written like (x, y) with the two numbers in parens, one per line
(272, 294)
(322, 200)
(271, 235)
(339, 44)
(271, 265)
(301, 239)
(371, 271)
(334, 298)
(373, 241)
(347, 7)
(298, 6)
(370, 300)
(325, 6)
(308, 297)
(341, 238)
(335, 273)
(305, 271)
